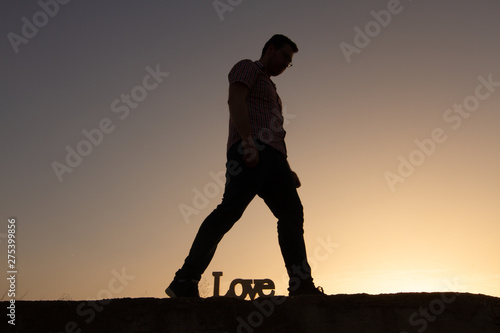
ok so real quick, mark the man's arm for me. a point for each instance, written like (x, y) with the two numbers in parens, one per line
(238, 109)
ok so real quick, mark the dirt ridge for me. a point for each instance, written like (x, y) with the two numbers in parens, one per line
(398, 313)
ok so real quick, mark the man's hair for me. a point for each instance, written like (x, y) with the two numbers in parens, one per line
(278, 41)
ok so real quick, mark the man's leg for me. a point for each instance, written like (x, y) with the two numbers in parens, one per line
(211, 231)
(241, 187)
(281, 197)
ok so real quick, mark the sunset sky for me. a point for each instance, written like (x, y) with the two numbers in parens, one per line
(392, 114)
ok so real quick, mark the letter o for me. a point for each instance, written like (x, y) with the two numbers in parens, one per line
(447, 300)
(416, 157)
(471, 106)
(233, 289)
(246, 286)
(371, 33)
(259, 317)
(43, 16)
(266, 135)
(139, 93)
(439, 303)
(81, 144)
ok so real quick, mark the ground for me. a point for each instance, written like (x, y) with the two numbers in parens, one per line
(396, 313)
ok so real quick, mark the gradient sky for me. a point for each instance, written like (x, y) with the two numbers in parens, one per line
(396, 143)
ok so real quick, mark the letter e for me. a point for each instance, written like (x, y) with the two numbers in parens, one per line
(106, 125)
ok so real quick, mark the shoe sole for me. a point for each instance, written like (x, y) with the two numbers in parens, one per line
(170, 293)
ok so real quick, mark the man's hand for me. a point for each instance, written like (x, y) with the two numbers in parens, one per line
(296, 179)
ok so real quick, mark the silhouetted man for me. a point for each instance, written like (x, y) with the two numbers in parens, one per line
(256, 165)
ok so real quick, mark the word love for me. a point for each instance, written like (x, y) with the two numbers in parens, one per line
(246, 287)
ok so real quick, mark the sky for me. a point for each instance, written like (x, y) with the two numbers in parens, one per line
(114, 124)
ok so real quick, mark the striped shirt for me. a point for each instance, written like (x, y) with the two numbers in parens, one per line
(264, 105)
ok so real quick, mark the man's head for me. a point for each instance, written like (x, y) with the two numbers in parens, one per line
(277, 54)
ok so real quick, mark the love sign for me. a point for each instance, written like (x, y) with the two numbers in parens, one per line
(249, 287)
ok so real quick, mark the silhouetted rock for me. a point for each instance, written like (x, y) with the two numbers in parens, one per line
(386, 313)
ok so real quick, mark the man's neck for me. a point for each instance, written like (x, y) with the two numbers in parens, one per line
(264, 63)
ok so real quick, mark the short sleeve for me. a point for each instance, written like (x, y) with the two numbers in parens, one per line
(245, 71)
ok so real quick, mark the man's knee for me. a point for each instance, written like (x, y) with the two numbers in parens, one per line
(291, 224)
(222, 218)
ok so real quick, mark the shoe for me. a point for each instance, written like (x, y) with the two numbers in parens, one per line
(183, 288)
(309, 289)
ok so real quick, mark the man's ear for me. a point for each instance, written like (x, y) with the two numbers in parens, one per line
(270, 49)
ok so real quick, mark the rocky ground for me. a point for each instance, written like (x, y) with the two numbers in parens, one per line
(386, 313)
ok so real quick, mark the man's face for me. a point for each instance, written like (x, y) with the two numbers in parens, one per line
(280, 59)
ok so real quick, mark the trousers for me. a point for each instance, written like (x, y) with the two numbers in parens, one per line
(271, 180)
